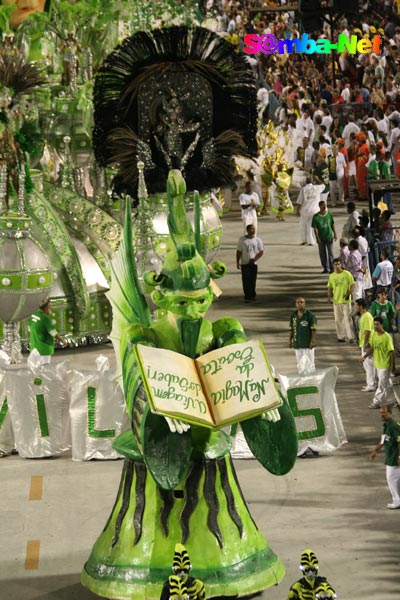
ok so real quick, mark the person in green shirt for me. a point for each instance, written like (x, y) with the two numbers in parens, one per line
(340, 288)
(390, 440)
(384, 308)
(386, 173)
(42, 334)
(366, 327)
(381, 346)
(325, 232)
(302, 332)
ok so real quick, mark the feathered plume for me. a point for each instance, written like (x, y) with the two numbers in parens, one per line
(164, 66)
(17, 75)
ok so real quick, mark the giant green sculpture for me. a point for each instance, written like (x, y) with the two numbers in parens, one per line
(178, 483)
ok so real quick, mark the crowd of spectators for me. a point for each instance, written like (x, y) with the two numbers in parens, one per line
(361, 81)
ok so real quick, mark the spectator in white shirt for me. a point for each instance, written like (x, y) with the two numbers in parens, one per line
(327, 119)
(346, 95)
(349, 128)
(383, 273)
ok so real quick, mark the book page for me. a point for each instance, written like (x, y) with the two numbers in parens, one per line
(172, 384)
(238, 382)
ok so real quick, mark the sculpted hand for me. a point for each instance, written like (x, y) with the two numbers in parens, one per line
(272, 415)
(176, 426)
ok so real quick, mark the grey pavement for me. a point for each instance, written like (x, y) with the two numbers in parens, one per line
(334, 504)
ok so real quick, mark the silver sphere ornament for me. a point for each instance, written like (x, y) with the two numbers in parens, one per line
(25, 274)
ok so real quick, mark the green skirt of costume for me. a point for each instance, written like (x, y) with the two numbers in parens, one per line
(207, 513)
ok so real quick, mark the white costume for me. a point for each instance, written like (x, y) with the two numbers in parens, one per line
(249, 215)
(309, 198)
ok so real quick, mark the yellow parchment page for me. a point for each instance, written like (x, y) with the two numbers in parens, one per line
(238, 382)
(173, 385)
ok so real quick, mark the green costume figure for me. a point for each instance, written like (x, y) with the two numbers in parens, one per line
(180, 585)
(325, 592)
(308, 586)
(42, 334)
(178, 481)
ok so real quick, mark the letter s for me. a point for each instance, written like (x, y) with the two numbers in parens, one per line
(252, 43)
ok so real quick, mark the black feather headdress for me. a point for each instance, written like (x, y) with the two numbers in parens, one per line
(177, 97)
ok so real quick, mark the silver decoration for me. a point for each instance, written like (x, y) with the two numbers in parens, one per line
(78, 181)
(181, 122)
(3, 188)
(21, 191)
(12, 342)
(6, 431)
(19, 258)
(42, 392)
(89, 70)
(67, 180)
(325, 401)
(110, 414)
(144, 239)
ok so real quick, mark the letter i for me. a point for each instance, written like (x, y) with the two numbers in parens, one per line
(41, 410)
(3, 411)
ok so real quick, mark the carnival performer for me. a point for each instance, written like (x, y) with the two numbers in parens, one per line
(307, 205)
(180, 584)
(362, 157)
(306, 587)
(280, 200)
(325, 592)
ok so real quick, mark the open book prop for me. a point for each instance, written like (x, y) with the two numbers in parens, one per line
(221, 387)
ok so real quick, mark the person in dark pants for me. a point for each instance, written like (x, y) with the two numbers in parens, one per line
(249, 249)
(325, 233)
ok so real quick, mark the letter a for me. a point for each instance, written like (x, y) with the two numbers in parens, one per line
(323, 46)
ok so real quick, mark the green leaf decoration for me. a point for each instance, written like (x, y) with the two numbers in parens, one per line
(273, 444)
(5, 17)
(167, 455)
(126, 445)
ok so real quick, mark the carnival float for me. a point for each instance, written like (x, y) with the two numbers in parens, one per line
(71, 214)
(113, 130)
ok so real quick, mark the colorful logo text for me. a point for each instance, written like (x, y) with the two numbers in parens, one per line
(269, 44)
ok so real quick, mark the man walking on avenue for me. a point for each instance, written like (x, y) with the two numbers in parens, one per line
(390, 440)
(302, 332)
(366, 327)
(249, 249)
(249, 202)
(381, 346)
(340, 287)
(325, 233)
